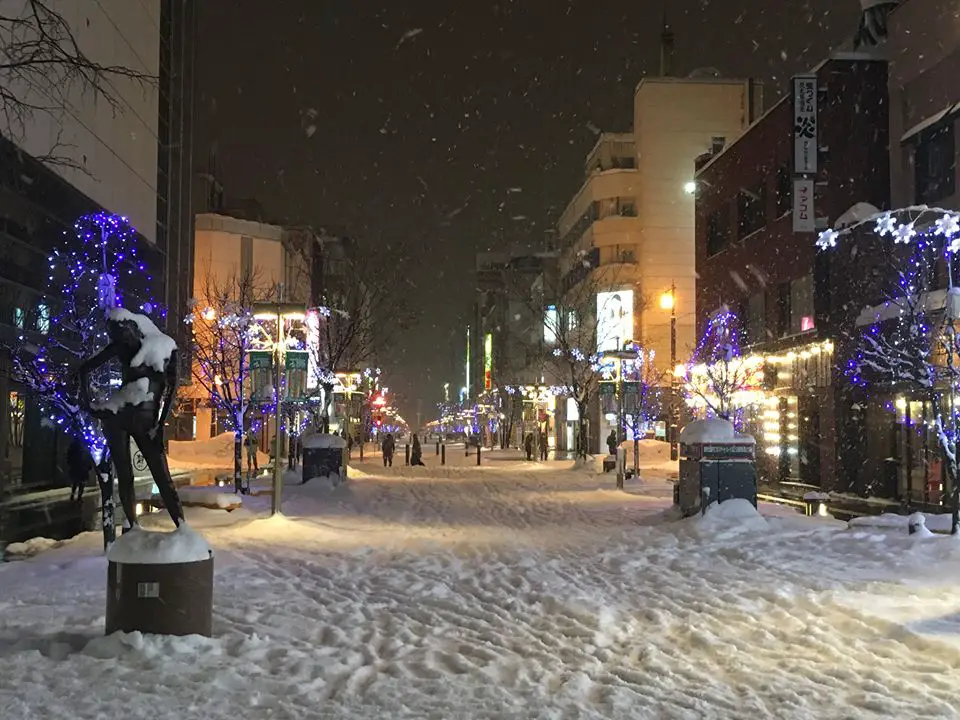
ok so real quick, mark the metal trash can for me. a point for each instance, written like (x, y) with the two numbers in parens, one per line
(323, 456)
(716, 464)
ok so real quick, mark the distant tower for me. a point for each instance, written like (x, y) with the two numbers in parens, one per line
(666, 48)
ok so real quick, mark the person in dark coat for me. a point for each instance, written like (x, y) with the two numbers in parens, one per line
(416, 453)
(528, 445)
(612, 442)
(252, 463)
(388, 447)
(79, 465)
(543, 445)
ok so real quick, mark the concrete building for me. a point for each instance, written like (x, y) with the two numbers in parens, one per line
(229, 251)
(630, 226)
(79, 155)
(752, 260)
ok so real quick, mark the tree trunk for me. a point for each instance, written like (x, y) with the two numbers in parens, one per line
(107, 508)
(238, 485)
(582, 444)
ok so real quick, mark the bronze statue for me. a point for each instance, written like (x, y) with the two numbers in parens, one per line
(138, 408)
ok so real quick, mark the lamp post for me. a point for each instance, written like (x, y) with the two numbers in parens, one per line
(281, 312)
(668, 301)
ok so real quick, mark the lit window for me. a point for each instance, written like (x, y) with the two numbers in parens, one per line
(19, 317)
(43, 319)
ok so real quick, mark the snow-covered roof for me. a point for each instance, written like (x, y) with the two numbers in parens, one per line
(856, 213)
(236, 226)
(713, 430)
(930, 121)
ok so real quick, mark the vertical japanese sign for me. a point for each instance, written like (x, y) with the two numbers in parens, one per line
(804, 218)
(804, 124)
(488, 362)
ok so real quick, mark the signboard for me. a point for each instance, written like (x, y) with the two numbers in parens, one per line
(261, 360)
(804, 218)
(608, 388)
(804, 124)
(297, 360)
(488, 361)
(614, 319)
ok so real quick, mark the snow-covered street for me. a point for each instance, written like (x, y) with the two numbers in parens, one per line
(513, 590)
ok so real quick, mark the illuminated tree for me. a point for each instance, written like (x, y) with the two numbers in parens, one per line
(87, 277)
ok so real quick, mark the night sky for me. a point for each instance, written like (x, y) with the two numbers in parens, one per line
(454, 130)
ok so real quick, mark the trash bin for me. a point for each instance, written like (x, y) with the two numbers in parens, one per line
(323, 456)
(716, 464)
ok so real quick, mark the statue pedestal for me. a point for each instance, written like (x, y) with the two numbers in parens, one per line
(160, 583)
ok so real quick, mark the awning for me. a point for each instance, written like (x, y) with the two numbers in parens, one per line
(929, 122)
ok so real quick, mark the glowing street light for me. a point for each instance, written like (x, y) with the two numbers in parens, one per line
(667, 300)
(690, 187)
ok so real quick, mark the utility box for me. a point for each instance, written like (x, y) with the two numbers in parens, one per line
(324, 455)
(716, 464)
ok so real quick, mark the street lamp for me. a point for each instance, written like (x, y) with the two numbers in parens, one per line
(668, 301)
(281, 312)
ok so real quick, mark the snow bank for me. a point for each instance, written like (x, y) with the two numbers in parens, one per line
(210, 497)
(939, 522)
(322, 440)
(156, 348)
(731, 513)
(133, 393)
(712, 430)
(215, 452)
(145, 547)
(31, 547)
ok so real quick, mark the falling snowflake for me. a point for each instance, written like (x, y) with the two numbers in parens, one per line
(904, 233)
(886, 225)
(827, 239)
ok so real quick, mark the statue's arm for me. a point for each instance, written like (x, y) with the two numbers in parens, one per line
(170, 388)
(88, 366)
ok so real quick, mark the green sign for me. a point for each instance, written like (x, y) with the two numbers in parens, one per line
(261, 360)
(608, 388)
(297, 360)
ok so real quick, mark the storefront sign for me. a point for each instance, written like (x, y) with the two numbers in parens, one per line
(804, 219)
(805, 124)
(488, 361)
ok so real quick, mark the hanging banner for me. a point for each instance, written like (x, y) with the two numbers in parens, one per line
(261, 374)
(261, 360)
(804, 124)
(804, 218)
(488, 362)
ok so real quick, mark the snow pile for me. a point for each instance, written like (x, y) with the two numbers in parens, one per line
(322, 440)
(713, 430)
(209, 497)
(156, 348)
(215, 452)
(145, 547)
(938, 522)
(856, 213)
(731, 514)
(31, 547)
(133, 393)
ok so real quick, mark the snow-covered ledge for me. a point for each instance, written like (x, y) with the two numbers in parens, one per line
(145, 547)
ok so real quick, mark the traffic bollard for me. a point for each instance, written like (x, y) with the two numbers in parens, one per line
(438, 447)
(478, 456)
(443, 454)
(406, 454)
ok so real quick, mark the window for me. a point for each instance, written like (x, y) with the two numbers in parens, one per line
(756, 318)
(784, 191)
(718, 230)
(751, 208)
(801, 305)
(19, 317)
(626, 207)
(717, 143)
(935, 164)
(623, 162)
(43, 319)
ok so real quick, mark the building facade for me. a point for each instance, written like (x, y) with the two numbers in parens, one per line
(628, 233)
(757, 259)
(81, 155)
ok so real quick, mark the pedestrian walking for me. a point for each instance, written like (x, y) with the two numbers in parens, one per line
(528, 445)
(79, 465)
(251, 443)
(388, 447)
(416, 453)
(612, 442)
(543, 445)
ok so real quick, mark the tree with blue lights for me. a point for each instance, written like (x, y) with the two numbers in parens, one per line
(87, 278)
(912, 343)
(717, 371)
